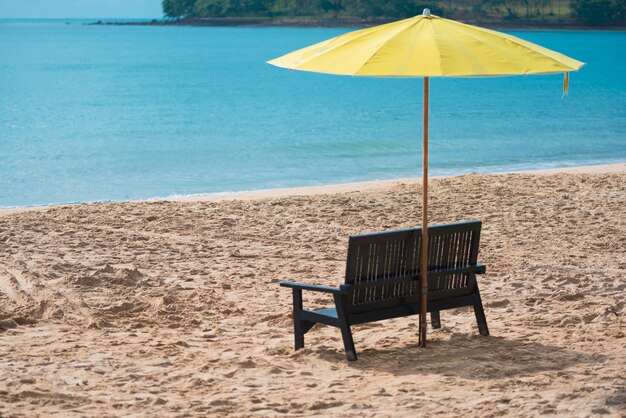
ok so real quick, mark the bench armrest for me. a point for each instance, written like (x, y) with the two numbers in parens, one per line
(312, 287)
(481, 268)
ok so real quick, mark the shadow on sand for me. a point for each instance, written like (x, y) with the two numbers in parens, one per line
(469, 357)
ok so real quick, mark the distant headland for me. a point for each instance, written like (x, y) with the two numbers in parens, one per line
(531, 14)
(342, 23)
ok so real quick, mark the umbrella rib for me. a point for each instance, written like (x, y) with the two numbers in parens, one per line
(462, 27)
(385, 43)
(432, 33)
(460, 48)
(516, 41)
(361, 34)
(558, 58)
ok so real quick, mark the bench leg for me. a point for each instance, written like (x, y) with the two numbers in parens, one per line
(300, 327)
(435, 319)
(346, 332)
(480, 315)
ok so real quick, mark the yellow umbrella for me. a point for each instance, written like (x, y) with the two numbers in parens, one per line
(428, 46)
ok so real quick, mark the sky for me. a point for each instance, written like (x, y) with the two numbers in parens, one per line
(50, 9)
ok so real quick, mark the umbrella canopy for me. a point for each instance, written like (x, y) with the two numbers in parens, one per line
(427, 46)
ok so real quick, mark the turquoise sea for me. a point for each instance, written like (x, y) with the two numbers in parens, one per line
(127, 112)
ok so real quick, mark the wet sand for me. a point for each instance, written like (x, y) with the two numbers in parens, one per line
(174, 308)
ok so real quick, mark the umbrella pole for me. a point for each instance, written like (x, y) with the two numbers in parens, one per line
(424, 276)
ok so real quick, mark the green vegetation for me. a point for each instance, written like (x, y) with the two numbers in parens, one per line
(593, 12)
(597, 12)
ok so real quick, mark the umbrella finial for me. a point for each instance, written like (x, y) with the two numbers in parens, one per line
(426, 12)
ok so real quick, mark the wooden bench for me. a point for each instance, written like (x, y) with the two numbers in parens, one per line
(382, 280)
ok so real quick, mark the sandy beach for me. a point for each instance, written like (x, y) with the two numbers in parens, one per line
(173, 307)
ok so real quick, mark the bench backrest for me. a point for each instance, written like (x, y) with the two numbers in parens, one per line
(383, 268)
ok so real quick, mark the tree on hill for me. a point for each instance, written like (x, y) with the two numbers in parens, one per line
(178, 9)
(236, 8)
(598, 12)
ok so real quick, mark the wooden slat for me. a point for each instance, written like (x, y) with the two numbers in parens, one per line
(461, 259)
(414, 276)
(379, 264)
(466, 253)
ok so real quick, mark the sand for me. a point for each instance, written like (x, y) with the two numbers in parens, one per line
(173, 307)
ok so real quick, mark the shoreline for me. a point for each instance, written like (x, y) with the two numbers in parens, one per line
(346, 23)
(325, 189)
